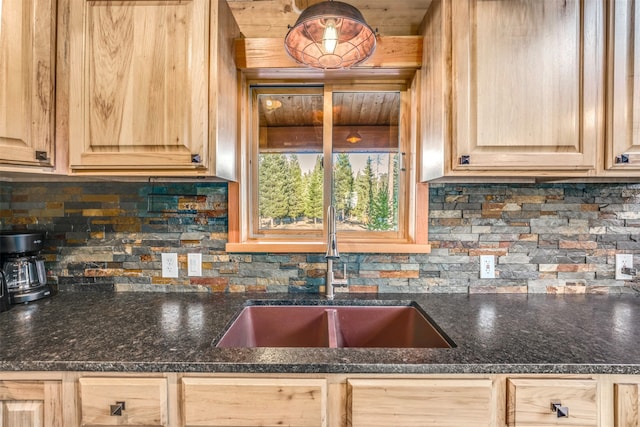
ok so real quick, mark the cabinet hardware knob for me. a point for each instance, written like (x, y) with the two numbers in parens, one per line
(195, 158)
(561, 411)
(41, 155)
(116, 410)
(622, 158)
(465, 160)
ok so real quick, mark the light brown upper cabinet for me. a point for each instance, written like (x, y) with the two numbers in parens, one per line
(623, 102)
(153, 88)
(521, 92)
(27, 58)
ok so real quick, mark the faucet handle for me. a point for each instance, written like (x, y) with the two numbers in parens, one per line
(345, 280)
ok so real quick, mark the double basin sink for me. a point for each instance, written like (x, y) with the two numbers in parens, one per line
(286, 324)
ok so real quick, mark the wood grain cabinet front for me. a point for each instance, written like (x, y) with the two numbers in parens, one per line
(153, 87)
(512, 88)
(623, 101)
(27, 71)
(542, 402)
(626, 404)
(31, 404)
(419, 402)
(123, 401)
(247, 402)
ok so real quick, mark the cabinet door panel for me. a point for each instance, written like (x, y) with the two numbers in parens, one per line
(626, 405)
(529, 402)
(139, 84)
(27, 52)
(623, 136)
(30, 404)
(22, 414)
(415, 402)
(526, 84)
(144, 401)
(218, 402)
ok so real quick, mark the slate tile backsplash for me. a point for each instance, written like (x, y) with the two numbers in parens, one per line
(554, 238)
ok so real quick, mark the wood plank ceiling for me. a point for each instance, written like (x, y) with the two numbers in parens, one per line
(270, 18)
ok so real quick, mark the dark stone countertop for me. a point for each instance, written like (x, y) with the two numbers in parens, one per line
(156, 332)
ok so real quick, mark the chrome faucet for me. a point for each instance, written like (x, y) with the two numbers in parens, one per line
(332, 254)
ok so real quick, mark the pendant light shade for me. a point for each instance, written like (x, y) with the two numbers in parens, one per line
(330, 35)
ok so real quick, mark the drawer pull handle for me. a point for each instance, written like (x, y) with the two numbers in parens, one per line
(561, 411)
(116, 410)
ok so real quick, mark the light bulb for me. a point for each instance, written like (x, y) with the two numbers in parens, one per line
(330, 36)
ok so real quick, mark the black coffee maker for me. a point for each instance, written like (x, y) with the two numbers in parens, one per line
(23, 267)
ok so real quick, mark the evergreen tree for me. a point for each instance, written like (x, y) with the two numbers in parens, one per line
(364, 184)
(297, 190)
(273, 183)
(343, 186)
(313, 197)
(381, 213)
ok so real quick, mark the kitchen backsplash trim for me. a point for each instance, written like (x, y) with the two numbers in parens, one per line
(546, 238)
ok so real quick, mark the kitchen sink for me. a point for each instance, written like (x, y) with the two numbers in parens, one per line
(333, 326)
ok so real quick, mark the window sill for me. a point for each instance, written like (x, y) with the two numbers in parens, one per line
(321, 247)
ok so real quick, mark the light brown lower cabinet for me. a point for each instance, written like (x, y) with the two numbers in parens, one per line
(217, 402)
(72, 399)
(419, 402)
(30, 403)
(123, 401)
(626, 403)
(552, 402)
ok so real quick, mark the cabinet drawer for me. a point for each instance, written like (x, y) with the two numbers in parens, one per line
(530, 402)
(247, 402)
(417, 402)
(145, 401)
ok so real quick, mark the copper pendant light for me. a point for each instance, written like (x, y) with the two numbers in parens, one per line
(330, 35)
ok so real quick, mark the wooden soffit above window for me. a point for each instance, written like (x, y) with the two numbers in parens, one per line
(395, 56)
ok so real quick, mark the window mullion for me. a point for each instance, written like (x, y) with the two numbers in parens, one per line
(327, 150)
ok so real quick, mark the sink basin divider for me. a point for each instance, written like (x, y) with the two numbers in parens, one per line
(333, 327)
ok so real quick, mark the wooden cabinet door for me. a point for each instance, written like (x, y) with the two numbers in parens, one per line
(27, 57)
(527, 85)
(139, 85)
(530, 402)
(626, 405)
(623, 103)
(229, 402)
(124, 401)
(30, 404)
(419, 402)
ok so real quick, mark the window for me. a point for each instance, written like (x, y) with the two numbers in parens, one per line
(309, 147)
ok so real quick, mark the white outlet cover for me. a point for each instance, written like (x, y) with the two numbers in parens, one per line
(194, 262)
(487, 267)
(622, 261)
(170, 265)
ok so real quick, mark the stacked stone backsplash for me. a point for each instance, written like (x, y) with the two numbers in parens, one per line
(556, 238)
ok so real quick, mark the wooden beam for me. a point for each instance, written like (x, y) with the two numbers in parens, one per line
(391, 52)
(306, 138)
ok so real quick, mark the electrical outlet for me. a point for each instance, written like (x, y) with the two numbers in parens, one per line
(170, 265)
(487, 267)
(194, 264)
(623, 261)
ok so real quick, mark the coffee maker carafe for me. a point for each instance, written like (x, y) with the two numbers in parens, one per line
(24, 270)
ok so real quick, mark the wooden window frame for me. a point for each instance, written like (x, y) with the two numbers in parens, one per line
(240, 198)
